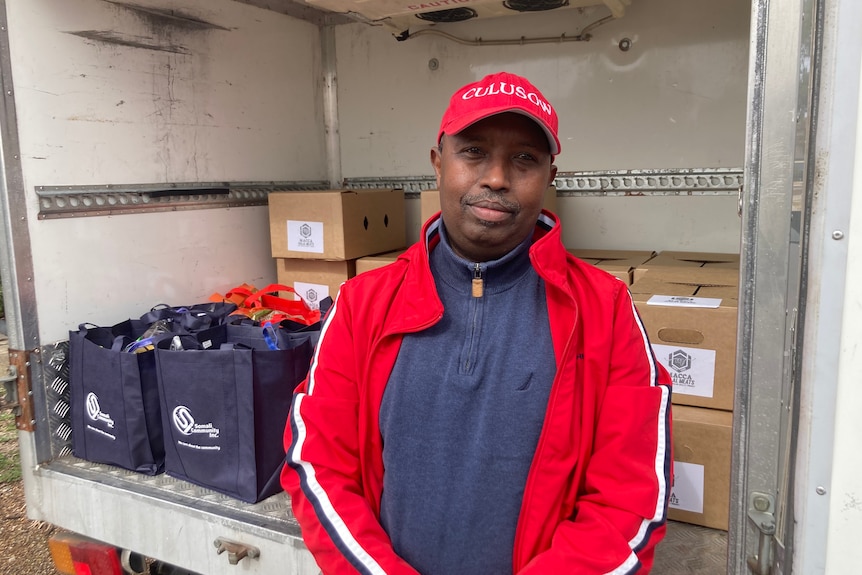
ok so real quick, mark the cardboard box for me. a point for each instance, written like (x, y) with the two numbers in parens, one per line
(369, 263)
(702, 442)
(313, 280)
(692, 322)
(707, 261)
(430, 203)
(336, 224)
(550, 201)
(619, 263)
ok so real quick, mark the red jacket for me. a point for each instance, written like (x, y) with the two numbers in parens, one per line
(596, 495)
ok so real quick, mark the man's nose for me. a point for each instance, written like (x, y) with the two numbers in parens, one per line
(495, 175)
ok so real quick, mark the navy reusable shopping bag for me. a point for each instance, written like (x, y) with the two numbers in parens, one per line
(115, 411)
(225, 397)
(194, 317)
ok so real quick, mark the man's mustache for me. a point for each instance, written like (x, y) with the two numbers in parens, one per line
(492, 197)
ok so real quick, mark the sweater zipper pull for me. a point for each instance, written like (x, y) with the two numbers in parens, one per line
(478, 282)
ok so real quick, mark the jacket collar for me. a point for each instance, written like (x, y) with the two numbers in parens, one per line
(417, 305)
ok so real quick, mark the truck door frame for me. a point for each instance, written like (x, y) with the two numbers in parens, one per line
(804, 95)
(16, 266)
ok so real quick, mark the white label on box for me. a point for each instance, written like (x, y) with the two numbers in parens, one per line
(687, 491)
(692, 369)
(311, 293)
(684, 301)
(305, 236)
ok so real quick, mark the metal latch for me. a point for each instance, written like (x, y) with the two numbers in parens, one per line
(761, 511)
(10, 391)
(236, 551)
(19, 395)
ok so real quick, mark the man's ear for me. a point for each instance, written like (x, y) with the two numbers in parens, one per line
(553, 174)
(436, 159)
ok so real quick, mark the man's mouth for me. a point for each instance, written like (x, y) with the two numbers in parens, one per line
(490, 211)
(489, 208)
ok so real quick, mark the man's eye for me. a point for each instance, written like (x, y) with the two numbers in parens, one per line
(526, 157)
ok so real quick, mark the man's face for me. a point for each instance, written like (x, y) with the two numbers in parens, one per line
(492, 178)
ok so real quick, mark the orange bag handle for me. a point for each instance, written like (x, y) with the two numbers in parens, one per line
(296, 310)
(254, 300)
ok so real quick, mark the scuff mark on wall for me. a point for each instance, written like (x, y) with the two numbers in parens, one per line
(163, 25)
(163, 18)
(118, 39)
(154, 64)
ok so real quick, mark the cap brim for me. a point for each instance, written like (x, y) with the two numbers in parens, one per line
(467, 120)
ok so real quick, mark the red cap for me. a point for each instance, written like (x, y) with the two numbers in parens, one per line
(495, 94)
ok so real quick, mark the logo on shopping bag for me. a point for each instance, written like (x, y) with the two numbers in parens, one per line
(95, 412)
(184, 421)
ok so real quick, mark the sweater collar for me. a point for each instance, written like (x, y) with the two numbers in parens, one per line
(498, 275)
(416, 306)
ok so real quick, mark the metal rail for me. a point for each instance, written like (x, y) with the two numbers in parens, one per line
(85, 201)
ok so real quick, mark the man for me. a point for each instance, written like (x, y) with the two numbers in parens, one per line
(487, 404)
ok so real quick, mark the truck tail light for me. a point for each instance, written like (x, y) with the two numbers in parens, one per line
(78, 555)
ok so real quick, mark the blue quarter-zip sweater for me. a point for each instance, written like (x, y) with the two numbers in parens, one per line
(462, 414)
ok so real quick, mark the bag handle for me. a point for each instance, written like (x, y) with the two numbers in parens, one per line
(296, 310)
(253, 299)
(236, 295)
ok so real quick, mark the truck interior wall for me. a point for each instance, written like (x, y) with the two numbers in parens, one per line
(237, 98)
(110, 94)
(676, 99)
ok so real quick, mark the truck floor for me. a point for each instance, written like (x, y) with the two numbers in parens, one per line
(686, 549)
(691, 550)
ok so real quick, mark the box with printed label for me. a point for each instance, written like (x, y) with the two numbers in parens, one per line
(691, 322)
(707, 262)
(336, 224)
(429, 203)
(702, 440)
(369, 263)
(619, 263)
(314, 280)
